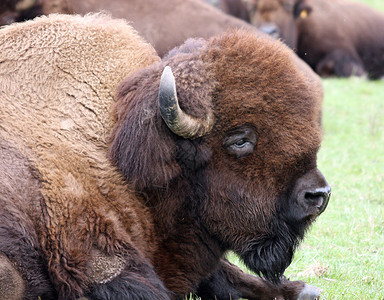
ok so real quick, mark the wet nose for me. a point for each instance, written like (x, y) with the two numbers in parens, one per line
(318, 198)
(310, 195)
(270, 29)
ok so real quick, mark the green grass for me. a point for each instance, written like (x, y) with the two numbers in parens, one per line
(378, 4)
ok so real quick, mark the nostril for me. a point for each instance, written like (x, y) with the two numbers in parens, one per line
(318, 198)
(314, 199)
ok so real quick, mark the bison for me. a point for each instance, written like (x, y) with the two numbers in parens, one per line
(138, 194)
(335, 37)
(165, 24)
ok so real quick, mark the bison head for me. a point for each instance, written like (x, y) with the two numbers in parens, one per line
(279, 18)
(227, 140)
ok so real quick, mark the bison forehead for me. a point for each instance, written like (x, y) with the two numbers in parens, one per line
(268, 5)
(263, 78)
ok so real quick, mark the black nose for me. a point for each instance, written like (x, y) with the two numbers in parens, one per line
(318, 198)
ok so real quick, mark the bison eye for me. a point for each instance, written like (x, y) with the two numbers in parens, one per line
(241, 142)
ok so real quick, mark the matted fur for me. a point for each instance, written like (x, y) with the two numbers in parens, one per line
(57, 79)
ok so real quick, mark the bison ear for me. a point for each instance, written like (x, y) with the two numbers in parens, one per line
(302, 9)
(141, 146)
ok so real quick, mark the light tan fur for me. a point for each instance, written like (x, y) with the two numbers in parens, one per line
(65, 79)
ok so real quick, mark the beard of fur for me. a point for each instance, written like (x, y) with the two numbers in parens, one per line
(269, 256)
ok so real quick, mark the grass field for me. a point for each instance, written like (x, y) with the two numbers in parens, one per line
(344, 252)
(378, 4)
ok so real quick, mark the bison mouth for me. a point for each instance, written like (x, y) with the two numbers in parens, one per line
(270, 255)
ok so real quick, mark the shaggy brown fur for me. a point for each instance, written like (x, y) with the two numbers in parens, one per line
(72, 226)
(335, 37)
(165, 24)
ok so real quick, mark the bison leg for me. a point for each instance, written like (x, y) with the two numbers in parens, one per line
(11, 283)
(229, 282)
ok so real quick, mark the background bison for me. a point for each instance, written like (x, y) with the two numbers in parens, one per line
(209, 157)
(165, 24)
(335, 37)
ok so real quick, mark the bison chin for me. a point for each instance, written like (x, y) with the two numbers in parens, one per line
(270, 255)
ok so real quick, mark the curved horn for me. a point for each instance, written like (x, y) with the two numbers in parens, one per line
(179, 122)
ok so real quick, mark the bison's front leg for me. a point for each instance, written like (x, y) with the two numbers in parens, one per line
(229, 282)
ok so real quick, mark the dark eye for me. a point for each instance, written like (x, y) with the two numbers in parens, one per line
(241, 142)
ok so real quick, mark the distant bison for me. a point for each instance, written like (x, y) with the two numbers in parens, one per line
(335, 37)
(140, 198)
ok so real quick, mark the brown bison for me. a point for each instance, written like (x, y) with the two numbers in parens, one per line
(140, 198)
(335, 37)
(165, 24)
